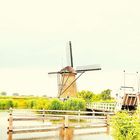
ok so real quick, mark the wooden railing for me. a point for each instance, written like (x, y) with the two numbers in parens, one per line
(64, 117)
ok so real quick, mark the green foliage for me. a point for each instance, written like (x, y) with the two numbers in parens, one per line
(6, 104)
(96, 98)
(9, 104)
(31, 104)
(86, 95)
(74, 104)
(125, 127)
(39, 103)
(23, 103)
(2, 104)
(55, 104)
(106, 94)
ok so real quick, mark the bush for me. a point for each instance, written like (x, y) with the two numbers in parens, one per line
(31, 104)
(74, 104)
(9, 104)
(55, 104)
(125, 127)
(2, 104)
(6, 104)
(39, 103)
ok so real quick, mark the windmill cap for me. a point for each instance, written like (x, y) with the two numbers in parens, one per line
(68, 69)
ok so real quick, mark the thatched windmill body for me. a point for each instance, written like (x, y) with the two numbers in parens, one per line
(66, 77)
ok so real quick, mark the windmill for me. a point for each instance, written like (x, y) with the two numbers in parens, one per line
(67, 77)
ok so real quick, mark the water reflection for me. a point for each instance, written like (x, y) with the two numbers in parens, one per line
(66, 134)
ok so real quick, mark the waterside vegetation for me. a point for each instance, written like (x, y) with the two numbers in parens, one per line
(31, 102)
(126, 126)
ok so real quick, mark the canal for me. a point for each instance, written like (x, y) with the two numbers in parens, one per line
(82, 134)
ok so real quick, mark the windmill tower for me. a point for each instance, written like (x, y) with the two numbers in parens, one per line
(66, 77)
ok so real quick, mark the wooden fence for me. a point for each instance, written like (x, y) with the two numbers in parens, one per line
(65, 121)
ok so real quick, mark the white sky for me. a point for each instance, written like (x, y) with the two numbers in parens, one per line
(34, 35)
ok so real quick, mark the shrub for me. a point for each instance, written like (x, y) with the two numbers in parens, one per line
(74, 104)
(55, 104)
(9, 104)
(2, 104)
(125, 126)
(31, 104)
(40, 103)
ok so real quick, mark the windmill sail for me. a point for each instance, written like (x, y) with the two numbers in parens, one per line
(69, 55)
(58, 83)
(88, 68)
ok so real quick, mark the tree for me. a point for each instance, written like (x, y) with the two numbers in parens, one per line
(96, 98)
(3, 93)
(86, 95)
(106, 94)
(15, 94)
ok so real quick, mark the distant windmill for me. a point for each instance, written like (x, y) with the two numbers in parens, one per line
(66, 77)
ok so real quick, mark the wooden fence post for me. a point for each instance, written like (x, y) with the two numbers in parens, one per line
(79, 117)
(108, 123)
(43, 117)
(10, 128)
(66, 123)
